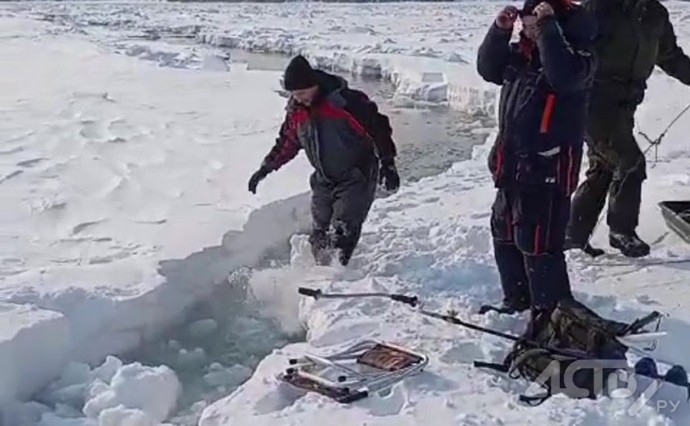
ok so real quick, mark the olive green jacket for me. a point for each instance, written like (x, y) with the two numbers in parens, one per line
(634, 36)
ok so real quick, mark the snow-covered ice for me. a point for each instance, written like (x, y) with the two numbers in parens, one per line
(420, 48)
(120, 198)
(127, 203)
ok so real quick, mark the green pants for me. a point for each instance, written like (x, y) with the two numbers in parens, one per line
(617, 168)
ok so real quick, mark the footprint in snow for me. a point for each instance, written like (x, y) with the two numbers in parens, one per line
(388, 403)
(91, 129)
(283, 397)
(427, 381)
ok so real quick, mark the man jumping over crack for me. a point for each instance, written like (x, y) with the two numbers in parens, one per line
(546, 80)
(634, 36)
(347, 141)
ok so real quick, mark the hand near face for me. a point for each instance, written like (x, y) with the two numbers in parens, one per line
(543, 10)
(506, 18)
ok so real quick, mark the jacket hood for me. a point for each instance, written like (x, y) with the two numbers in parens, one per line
(329, 83)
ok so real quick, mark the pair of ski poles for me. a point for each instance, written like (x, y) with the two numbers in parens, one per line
(451, 318)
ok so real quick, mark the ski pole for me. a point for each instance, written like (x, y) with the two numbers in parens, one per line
(451, 319)
(318, 294)
(408, 300)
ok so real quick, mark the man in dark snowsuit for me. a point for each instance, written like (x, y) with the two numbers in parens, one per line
(546, 79)
(634, 35)
(349, 143)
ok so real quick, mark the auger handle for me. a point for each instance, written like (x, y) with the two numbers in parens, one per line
(310, 292)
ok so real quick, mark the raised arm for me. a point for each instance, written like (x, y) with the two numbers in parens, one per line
(567, 52)
(494, 52)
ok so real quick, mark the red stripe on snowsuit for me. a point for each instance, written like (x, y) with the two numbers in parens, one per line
(526, 47)
(499, 160)
(548, 113)
(288, 144)
(568, 180)
(328, 110)
(537, 243)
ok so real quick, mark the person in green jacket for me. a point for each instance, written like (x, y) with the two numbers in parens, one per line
(634, 36)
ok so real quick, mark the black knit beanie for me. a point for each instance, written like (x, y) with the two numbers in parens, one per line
(299, 74)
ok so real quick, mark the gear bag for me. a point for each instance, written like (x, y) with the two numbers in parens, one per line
(574, 336)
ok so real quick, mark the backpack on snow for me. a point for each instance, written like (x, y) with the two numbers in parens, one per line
(574, 336)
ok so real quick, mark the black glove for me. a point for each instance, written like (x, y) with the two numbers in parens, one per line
(388, 175)
(257, 177)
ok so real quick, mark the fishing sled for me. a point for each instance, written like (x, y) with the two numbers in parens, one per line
(358, 372)
(677, 217)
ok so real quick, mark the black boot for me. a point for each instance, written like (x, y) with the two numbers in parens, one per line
(321, 247)
(345, 240)
(587, 248)
(629, 244)
(548, 280)
(513, 277)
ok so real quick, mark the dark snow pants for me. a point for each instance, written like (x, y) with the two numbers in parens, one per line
(528, 230)
(344, 206)
(617, 167)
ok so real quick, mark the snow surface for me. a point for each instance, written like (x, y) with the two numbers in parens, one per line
(135, 167)
(124, 196)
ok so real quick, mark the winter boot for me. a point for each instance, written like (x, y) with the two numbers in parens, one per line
(587, 248)
(344, 256)
(629, 244)
(507, 306)
(321, 247)
(569, 244)
(345, 240)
